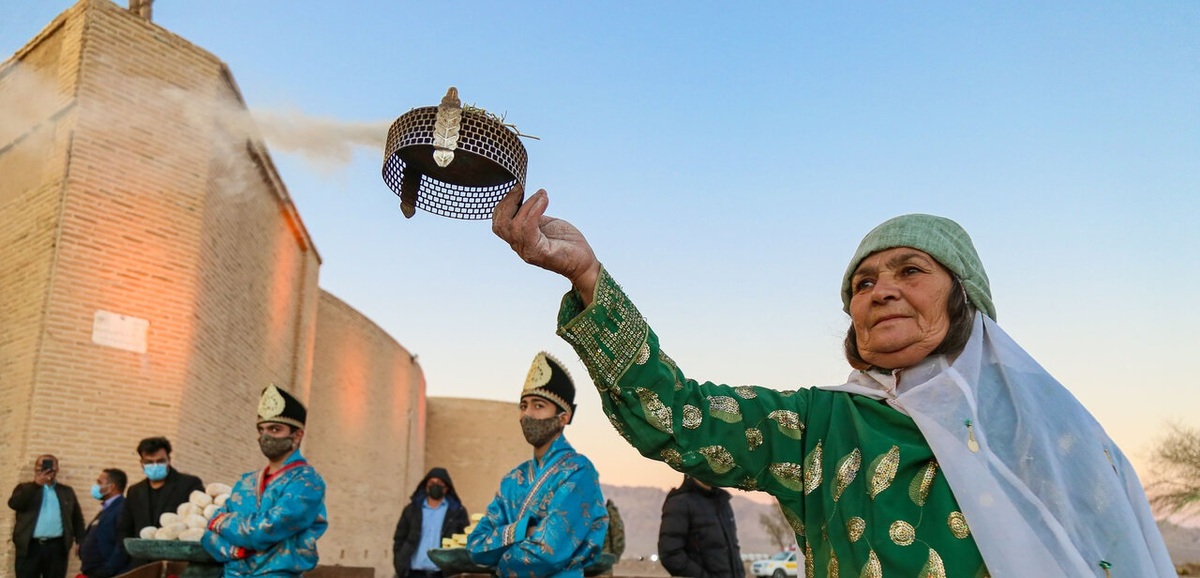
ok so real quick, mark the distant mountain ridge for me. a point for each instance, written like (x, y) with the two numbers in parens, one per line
(641, 510)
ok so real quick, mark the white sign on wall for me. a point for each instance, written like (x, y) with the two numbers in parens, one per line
(120, 331)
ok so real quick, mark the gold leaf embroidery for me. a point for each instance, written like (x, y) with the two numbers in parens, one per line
(692, 416)
(657, 414)
(809, 569)
(958, 525)
(833, 565)
(672, 458)
(749, 484)
(812, 470)
(724, 408)
(617, 425)
(788, 474)
(854, 528)
(643, 354)
(882, 471)
(793, 520)
(663, 357)
(934, 568)
(902, 533)
(847, 470)
(753, 438)
(608, 339)
(789, 423)
(745, 392)
(872, 569)
(918, 489)
(719, 459)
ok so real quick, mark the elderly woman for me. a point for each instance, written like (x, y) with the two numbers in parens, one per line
(948, 452)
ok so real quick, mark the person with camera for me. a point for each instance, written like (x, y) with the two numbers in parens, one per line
(49, 522)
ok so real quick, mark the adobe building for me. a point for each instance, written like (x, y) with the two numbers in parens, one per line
(158, 276)
(452, 440)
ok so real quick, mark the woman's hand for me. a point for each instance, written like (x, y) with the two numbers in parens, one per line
(552, 244)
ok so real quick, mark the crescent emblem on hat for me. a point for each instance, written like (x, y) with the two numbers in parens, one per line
(271, 403)
(539, 373)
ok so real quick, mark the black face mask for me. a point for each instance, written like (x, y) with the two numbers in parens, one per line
(539, 431)
(436, 491)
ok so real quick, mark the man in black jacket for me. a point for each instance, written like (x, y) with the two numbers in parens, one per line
(698, 536)
(435, 512)
(43, 541)
(163, 490)
(100, 555)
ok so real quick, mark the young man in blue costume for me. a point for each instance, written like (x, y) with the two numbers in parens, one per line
(272, 520)
(548, 519)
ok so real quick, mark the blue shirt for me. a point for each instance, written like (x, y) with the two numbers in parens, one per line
(49, 520)
(431, 535)
(108, 502)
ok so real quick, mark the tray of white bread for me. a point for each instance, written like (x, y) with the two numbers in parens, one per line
(189, 521)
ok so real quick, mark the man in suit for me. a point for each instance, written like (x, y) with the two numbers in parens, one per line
(163, 490)
(100, 553)
(49, 522)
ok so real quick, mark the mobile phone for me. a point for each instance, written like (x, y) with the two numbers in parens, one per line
(47, 465)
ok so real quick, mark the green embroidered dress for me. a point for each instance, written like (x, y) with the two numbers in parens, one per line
(854, 476)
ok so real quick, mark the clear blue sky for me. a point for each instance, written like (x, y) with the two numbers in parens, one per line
(725, 159)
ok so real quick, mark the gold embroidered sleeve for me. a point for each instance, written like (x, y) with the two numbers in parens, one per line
(608, 335)
(720, 434)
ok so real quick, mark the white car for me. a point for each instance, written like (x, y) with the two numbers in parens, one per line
(777, 566)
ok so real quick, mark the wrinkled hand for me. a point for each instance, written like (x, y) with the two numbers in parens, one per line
(550, 243)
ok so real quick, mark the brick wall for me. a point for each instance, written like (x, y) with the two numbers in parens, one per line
(131, 194)
(478, 441)
(36, 92)
(133, 185)
(366, 434)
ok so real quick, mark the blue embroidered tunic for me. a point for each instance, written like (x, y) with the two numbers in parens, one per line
(270, 524)
(560, 499)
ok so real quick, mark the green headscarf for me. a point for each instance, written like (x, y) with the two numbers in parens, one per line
(943, 239)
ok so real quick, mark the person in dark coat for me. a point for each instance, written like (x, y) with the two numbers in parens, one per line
(415, 535)
(163, 490)
(698, 536)
(43, 541)
(100, 555)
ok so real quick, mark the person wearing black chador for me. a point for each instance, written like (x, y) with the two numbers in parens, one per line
(435, 512)
(698, 536)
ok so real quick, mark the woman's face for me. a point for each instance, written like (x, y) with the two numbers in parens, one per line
(898, 306)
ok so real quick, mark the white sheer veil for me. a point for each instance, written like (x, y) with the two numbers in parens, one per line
(1047, 493)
